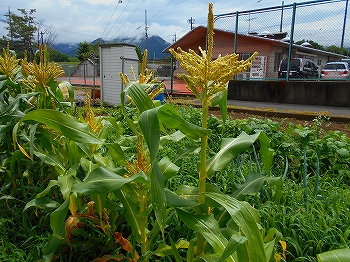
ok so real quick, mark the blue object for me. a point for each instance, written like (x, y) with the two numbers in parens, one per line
(160, 97)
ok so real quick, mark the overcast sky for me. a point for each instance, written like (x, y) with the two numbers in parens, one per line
(85, 20)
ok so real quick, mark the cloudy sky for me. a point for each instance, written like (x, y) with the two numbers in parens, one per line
(75, 21)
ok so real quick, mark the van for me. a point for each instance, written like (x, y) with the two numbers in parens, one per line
(299, 68)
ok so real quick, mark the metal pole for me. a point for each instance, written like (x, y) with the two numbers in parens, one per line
(291, 40)
(171, 74)
(235, 37)
(345, 15)
(282, 9)
(94, 86)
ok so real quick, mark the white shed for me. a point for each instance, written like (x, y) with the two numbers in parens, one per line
(115, 58)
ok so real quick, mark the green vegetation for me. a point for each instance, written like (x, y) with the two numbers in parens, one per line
(151, 182)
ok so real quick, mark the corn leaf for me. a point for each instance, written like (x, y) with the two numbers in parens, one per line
(158, 196)
(252, 185)
(103, 181)
(171, 118)
(138, 96)
(241, 212)
(338, 255)
(65, 124)
(149, 124)
(45, 203)
(208, 226)
(230, 148)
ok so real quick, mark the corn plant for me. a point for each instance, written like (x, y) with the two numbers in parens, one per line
(227, 228)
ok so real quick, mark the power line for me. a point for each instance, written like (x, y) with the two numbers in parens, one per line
(127, 19)
(119, 2)
(117, 18)
(151, 17)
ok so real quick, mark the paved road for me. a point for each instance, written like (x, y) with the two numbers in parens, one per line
(341, 113)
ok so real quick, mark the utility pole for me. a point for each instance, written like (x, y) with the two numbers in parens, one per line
(191, 21)
(41, 36)
(10, 25)
(174, 39)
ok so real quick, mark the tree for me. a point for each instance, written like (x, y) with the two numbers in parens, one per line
(57, 56)
(312, 43)
(338, 50)
(21, 29)
(86, 50)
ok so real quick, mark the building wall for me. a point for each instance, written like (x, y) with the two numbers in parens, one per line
(323, 93)
(115, 58)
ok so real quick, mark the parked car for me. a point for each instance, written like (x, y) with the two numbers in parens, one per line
(347, 60)
(337, 70)
(164, 70)
(299, 68)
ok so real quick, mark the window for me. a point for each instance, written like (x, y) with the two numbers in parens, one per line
(278, 58)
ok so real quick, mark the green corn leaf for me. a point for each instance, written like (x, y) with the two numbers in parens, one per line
(58, 218)
(100, 202)
(338, 255)
(117, 153)
(65, 182)
(168, 168)
(45, 203)
(158, 196)
(138, 96)
(176, 253)
(51, 184)
(103, 181)
(254, 182)
(210, 257)
(175, 200)
(132, 212)
(208, 226)
(230, 148)
(266, 152)
(242, 213)
(234, 242)
(171, 118)
(149, 124)
(220, 99)
(65, 124)
(51, 160)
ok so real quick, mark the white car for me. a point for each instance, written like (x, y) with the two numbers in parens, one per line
(336, 70)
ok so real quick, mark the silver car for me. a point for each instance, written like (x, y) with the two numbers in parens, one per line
(336, 70)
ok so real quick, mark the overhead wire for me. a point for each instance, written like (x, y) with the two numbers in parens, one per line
(117, 19)
(111, 17)
(151, 17)
(127, 19)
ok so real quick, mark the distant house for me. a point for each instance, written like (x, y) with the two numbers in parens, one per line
(272, 48)
(86, 68)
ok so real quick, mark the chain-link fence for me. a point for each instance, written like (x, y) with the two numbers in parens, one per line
(315, 32)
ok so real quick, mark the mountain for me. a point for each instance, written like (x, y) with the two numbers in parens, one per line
(68, 49)
(154, 44)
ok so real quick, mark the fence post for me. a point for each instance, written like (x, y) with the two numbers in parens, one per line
(345, 15)
(236, 32)
(291, 40)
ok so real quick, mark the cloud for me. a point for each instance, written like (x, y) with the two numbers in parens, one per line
(85, 20)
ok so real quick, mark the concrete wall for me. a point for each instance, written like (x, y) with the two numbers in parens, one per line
(323, 93)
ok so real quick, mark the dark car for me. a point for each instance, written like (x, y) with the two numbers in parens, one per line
(299, 68)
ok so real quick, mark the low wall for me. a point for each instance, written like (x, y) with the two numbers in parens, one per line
(323, 93)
